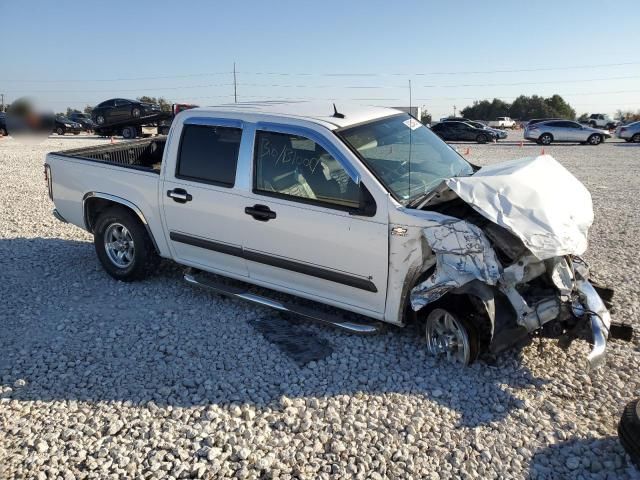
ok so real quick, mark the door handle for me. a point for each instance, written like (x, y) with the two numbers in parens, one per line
(179, 195)
(260, 212)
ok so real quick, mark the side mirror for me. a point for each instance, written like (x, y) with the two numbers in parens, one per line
(367, 207)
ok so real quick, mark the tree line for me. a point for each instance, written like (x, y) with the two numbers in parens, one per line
(522, 108)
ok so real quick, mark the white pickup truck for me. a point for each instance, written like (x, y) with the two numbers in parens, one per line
(502, 123)
(355, 217)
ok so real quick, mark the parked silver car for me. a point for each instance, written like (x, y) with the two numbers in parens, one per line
(550, 131)
(630, 133)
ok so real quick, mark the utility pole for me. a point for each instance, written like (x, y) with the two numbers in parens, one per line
(454, 110)
(2, 102)
(235, 91)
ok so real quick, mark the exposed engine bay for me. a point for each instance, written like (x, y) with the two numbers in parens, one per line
(510, 237)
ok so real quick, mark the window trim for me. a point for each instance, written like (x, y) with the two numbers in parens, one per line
(211, 123)
(314, 137)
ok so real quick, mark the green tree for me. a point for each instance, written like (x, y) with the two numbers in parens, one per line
(165, 105)
(88, 109)
(583, 118)
(522, 108)
(72, 110)
(425, 117)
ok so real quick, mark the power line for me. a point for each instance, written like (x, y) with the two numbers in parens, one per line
(330, 74)
(350, 87)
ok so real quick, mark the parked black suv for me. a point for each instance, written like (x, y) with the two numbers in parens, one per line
(118, 110)
(457, 131)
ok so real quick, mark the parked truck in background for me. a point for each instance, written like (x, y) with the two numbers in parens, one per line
(601, 120)
(502, 123)
(363, 212)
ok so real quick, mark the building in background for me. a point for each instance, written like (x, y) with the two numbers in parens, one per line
(413, 111)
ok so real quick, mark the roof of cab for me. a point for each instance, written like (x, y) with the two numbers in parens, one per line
(320, 113)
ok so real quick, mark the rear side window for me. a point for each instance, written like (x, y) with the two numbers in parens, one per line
(209, 154)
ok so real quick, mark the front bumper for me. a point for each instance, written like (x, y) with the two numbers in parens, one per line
(600, 321)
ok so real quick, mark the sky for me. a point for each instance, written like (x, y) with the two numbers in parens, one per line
(72, 54)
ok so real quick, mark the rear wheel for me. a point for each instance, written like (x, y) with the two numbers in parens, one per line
(595, 139)
(451, 336)
(482, 138)
(123, 245)
(636, 138)
(60, 131)
(545, 139)
(129, 132)
(100, 119)
(136, 112)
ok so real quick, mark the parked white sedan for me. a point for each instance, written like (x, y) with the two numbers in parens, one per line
(550, 131)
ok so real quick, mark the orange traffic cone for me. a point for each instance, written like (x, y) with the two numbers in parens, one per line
(467, 151)
(542, 151)
(521, 143)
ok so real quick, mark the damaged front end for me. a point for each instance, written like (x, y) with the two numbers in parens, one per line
(510, 236)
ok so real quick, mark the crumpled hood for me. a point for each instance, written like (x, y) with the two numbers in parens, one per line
(536, 199)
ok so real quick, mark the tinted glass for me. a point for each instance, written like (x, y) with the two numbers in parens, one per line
(296, 166)
(209, 154)
(405, 155)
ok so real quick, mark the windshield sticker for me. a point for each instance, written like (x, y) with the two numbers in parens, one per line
(412, 123)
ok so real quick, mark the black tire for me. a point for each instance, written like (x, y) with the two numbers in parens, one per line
(100, 120)
(76, 133)
(129, 132)
(545, 139)
(60, 131)
(144, 257)
(595, 139)
(136, 112)
(482, 138)
(636, 138)
(629, 431)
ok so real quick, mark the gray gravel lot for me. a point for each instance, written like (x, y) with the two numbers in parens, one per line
(100, 379)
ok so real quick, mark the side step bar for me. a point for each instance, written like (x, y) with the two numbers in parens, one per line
(300, 310)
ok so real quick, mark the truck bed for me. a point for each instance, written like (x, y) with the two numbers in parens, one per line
(144, 154)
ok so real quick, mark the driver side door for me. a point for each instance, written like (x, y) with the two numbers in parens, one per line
(306, 234)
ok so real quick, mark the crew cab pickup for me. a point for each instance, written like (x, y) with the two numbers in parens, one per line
(502, 122)
(355, 217)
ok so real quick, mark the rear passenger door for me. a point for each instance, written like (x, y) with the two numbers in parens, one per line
(304, 235)
(202, 210)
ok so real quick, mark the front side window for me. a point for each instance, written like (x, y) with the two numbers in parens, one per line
(209, 154)
(293, 166)
(407, 157)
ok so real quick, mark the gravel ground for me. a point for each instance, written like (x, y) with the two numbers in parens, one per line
(100, 379)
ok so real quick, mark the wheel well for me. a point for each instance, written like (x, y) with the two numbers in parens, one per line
(94, 206)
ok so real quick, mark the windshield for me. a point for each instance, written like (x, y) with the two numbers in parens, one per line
(406, 156)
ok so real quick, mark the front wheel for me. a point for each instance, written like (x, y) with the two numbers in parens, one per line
(60, 131)
(136, 112)
(482, 138)
(636, 138)
(451, 336)
(129, 132)
(595, 139)
(100, 120)
(123, 245)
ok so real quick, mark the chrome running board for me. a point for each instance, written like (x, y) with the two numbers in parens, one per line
(295, 309)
